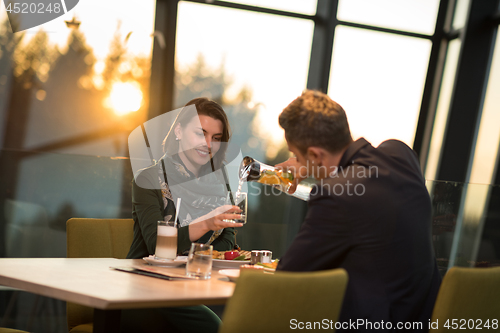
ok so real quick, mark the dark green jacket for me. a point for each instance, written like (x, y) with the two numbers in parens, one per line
(147, 210)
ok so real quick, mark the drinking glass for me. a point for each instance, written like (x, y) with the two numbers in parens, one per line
(241, 201)
(199, 263)
(166, 240)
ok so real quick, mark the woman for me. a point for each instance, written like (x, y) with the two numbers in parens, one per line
(192, 169)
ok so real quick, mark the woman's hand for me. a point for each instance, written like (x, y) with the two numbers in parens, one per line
(298, 170)
(214, 221)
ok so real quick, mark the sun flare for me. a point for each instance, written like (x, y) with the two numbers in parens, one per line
(125, 97)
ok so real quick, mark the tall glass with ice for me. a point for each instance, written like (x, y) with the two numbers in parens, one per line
(166, 240)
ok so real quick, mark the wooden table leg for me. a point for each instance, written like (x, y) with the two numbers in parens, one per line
(107, 321)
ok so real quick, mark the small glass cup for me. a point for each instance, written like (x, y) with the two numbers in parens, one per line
(240, 201)
(166, 240)
(199, 263)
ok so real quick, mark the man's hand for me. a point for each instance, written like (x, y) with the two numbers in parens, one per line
(299, 172)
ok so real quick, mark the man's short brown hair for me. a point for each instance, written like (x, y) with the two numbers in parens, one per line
(315, 120)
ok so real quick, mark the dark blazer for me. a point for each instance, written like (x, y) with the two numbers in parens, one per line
(373, 218)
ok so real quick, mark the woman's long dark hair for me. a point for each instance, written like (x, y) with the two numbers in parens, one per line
(206, 107)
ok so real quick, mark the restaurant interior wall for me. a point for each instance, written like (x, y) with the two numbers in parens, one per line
(64, 146)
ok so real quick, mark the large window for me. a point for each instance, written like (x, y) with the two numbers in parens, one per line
(70, 92)
(262, 65)
(254, 64)
(378, 79)
(78, 84)
(409, 15)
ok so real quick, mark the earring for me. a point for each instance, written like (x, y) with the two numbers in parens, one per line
(177, 139)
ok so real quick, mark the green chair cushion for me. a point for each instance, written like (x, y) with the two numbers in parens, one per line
(269, 302)
(468, 294)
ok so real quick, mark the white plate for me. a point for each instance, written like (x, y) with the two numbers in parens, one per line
(165, 262)
(221, 263)
(232, 274)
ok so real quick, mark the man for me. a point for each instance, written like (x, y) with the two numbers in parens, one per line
(369, 214)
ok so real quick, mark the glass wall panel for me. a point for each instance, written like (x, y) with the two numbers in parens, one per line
(254, 71)
(411, 15)
(378, 79)
(295, 6)
(442, 111)
(454, 229)
(445, 200)
(483, 171)
(489, 248)
(49, 189)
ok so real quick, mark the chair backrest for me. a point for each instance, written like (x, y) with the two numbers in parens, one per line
(95, 238)
(468, 298)
(99, 238)
(271, 302)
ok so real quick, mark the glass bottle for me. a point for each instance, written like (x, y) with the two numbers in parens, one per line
(252, 170)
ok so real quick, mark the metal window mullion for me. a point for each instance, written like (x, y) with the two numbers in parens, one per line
(381, 29)
(256, 9)
(495, 19)
(433, 80)
(161, 96)
(322, 45)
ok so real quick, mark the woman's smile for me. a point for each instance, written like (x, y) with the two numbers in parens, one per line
(199, 140)
(202, 152)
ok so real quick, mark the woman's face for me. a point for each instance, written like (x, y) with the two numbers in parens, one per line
(199, 139)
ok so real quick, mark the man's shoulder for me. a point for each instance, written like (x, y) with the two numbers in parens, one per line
(394, 145)
(396, 148)
(401, 155)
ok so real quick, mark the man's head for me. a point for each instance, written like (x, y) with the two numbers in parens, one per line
(316, 128)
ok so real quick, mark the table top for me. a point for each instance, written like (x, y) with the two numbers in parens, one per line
(93, 283)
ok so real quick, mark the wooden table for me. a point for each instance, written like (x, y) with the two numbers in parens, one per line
(91, 282)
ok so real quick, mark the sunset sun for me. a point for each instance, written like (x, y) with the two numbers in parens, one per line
(124, 97)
